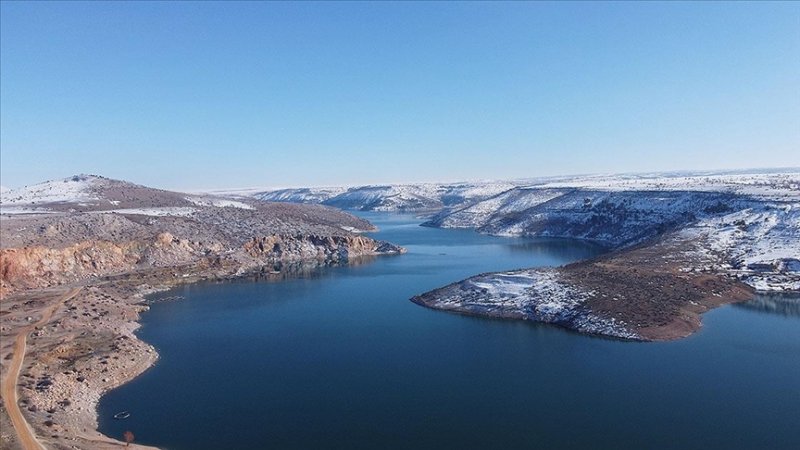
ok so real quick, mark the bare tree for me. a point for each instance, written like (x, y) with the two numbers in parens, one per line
(128, 436)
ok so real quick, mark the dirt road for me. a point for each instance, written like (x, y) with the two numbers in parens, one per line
(9, 389)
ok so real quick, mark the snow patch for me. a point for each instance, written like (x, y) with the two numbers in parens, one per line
(218, 202)
(531, 294)
(156, 211)
(72, 190)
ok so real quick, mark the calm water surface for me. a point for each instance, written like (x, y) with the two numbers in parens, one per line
(341, 359)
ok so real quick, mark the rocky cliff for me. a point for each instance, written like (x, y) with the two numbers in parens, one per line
(70, 230)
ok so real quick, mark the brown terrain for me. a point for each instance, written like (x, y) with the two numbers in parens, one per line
(651, 292)
(649, 288)
(74, 276)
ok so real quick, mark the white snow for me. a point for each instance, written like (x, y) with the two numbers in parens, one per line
(300, 195)
(783, 185)
(218, 202)
(16, 210)
(531, 294)
(73, 189)
(396, 197)
(760, 245)
(155, 211)
(778, 185)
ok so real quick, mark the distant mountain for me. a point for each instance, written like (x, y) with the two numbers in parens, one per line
(750, 217)
(436, 197)
(400, 197)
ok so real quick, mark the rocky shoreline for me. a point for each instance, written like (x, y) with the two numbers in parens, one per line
(90, 347)
(653, 292)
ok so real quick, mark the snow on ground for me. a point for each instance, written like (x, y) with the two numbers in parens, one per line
(760, 245)
(351, 229)
(231, 192)
(73, 189)
(395, 197)
(16, 210)
(300, 195)
(218, 202)
(511, 201)
(779, 185)
(531, 294)
(156, 211)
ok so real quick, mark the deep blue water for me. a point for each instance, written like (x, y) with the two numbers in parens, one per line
(340, 358)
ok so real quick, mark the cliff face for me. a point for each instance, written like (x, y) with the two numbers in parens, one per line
(39, 266)
(35, 267)
(276, 247)
(615, 218)
(86, 226)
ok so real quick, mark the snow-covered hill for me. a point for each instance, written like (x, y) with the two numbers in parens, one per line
(749, 223)
(614, 218)
(302, 195)
(86, 193)
(401, 197)
(79, 188)
(778, 184)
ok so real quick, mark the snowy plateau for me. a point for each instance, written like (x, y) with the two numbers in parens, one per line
(744, 223)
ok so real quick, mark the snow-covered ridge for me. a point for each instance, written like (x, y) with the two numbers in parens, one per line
(397, 197)
(78, 188)
(301, 195)
(92, 193)
(615, 218)
(753, 237)
(783, 184)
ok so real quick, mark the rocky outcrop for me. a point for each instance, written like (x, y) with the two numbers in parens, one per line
(538, 295)
(38, 266)
(282, 248)
(95, 227)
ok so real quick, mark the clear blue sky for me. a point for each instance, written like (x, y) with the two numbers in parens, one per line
(193, 95)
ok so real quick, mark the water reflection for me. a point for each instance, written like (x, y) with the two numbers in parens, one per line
(564, 248)
(302, 269)
(786, 305)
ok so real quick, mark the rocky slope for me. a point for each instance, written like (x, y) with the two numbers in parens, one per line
(681, 245)
(641, 293)
(86, 226)
(749, 225)
(112, 242)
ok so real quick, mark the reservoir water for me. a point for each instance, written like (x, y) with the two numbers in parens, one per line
(339, 358)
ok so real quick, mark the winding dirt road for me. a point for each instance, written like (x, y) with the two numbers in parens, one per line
(9, 389)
